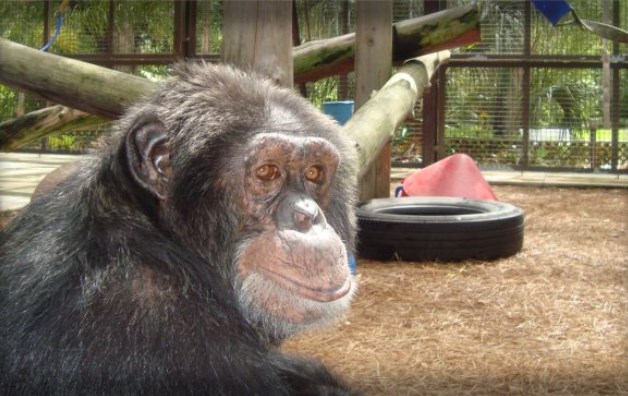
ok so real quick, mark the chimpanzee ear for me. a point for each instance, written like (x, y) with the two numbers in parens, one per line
(148, 156)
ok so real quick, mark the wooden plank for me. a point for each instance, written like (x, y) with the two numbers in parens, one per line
(258, 34)
(373, 65)
(430, 124)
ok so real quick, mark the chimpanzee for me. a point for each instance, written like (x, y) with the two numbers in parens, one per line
(216, 222)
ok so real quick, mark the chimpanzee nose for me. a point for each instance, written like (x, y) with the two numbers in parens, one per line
(300, 213)
(305, 213)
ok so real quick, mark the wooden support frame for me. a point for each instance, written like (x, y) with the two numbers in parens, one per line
(105, 93)
(373, 66)
(258, 34)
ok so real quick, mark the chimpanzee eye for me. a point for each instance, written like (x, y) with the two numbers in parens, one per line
(267, 172)
(315, 174)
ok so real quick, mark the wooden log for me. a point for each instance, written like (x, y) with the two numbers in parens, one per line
(77, 84)
(436, 32)
(21, 130)
(373, 124)
(411, 38)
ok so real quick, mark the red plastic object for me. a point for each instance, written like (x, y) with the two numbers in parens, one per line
(454, 176)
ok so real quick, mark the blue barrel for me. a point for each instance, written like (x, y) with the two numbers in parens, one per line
(340, 110)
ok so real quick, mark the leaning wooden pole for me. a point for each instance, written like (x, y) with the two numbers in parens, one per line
(80, 85)
(37, 124)
(375, 122)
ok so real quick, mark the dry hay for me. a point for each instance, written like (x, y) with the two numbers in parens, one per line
(551, 319)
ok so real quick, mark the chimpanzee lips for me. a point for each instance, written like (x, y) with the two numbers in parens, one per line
(311, 291)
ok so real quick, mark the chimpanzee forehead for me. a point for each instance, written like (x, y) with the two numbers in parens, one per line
(295, 117)
(290, 147)
(289, 142)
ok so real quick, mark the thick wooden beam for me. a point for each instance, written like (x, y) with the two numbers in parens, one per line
(437, 31)
(258, 34)
(373, 65)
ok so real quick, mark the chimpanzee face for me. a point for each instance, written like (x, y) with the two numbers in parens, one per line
(293, 266)
(279, 170)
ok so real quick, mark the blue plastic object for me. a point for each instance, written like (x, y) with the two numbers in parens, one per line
(352, 264)
(56, 33)
(553, 10)
(341, 110)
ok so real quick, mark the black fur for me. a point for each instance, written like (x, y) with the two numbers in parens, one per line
(105, 290)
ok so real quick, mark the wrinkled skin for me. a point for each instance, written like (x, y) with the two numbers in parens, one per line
(216, 222)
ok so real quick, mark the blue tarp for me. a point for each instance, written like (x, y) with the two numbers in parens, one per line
(553, 10)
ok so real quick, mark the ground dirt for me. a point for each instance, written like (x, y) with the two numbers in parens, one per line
(550, 320)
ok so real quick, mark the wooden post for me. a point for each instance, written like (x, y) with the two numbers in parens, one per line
(258, 34)
(430, 100)
(430, 122)
(593, 149)
(373, 65)
(343, 79)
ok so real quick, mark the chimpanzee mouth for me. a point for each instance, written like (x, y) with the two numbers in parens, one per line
(310, 291)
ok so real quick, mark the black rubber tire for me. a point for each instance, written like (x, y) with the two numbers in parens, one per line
(438, 228)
